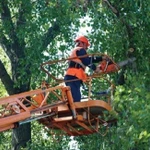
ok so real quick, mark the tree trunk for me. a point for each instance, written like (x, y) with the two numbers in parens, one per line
(21, 136)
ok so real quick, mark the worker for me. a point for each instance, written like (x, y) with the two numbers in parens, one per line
(75, 74)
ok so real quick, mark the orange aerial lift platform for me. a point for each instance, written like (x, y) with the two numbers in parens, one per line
(74, 118)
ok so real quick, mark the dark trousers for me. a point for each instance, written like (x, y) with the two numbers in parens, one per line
(75, 87)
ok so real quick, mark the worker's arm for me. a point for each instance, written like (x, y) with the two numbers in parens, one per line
(96, 59)
(88, 61)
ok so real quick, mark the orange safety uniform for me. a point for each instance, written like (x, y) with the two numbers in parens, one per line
(77, 72)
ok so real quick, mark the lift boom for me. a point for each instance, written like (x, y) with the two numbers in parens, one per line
(73, 118)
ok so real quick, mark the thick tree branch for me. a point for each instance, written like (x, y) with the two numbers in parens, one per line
(7, 47)
(131, 45)
(128, 27)
(21, 19)
(12, 45)
(6, 80)
(21, 22)
(6, 19)
(130, 31)
(11, 33)
(114, 10)
(51, 34)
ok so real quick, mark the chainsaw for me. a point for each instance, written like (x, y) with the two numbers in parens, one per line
(108, 66)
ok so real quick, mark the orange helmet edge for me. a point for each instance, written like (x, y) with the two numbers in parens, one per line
(82, 39)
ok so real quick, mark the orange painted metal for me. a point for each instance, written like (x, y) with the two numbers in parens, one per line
(9, 115)
(74, 118)
(19, 107)
(38, 98)
(7, 127)
(108, 68)
(70, 102)
(79, 125)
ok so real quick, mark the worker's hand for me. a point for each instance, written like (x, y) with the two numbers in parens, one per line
(104, 57)
(98, 69)
(88, 80)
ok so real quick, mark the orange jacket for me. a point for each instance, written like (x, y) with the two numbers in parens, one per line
(77, 72)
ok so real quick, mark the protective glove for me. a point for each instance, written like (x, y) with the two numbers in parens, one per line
(88, 80)
(104, 57)
(98, 70)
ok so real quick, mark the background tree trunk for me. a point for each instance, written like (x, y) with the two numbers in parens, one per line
(21, 136)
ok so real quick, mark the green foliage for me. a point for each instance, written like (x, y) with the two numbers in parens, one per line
(5, 138)
(132, 104)
(6, 62)
(44, 139)
(110, 33)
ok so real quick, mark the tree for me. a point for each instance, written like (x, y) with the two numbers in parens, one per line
(123, 30)
(23, 26)
(119, 28)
